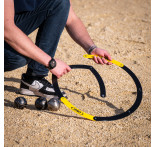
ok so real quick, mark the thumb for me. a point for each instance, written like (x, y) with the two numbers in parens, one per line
(107, 56)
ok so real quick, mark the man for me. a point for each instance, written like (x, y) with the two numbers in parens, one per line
(21, 17)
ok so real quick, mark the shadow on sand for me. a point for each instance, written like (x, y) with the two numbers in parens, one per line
(8, 103)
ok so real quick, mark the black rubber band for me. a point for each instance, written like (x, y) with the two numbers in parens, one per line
(102, 91)
(96, 74)
(134, 106)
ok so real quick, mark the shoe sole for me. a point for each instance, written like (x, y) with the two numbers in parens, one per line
(35, 93)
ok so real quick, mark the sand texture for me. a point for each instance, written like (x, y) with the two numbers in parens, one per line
(123, 27)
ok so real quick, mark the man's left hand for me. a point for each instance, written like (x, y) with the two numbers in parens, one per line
(105, 55)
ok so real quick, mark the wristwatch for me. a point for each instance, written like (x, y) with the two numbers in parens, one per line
(51, 64)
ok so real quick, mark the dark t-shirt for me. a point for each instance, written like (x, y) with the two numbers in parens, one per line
(26, 5)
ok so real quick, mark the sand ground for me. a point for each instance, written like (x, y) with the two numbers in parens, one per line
(123, 28)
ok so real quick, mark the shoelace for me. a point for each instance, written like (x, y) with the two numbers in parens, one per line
(45, 82)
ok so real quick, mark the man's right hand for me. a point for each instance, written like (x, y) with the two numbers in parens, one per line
(60, 69)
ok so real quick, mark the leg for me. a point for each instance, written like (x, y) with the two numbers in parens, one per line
(12, 59)
(27, 22)
(50, 17)
(49, 34)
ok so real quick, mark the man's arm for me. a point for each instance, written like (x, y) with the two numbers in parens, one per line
(18, 40)
(78, 32)
(22, 44)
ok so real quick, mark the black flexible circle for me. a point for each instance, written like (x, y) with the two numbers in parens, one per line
(115, 117)
(96, 74)
(134, 106)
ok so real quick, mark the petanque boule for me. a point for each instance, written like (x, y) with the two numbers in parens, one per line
(20, 103)
(41, 103)
(53, 104)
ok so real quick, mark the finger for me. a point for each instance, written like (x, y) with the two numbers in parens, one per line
(107, 56)
(65, 72)
(100, 60)
(95, 59)
(109, 63)
(68, 69)
(59, 75)
(104, 60)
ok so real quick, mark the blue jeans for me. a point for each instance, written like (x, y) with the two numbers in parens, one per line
(50, 17)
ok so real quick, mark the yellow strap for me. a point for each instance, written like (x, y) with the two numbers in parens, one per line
(73, 108)
(112, 61)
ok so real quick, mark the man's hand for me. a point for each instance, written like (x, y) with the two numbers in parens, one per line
(104, 54)
(60, 69)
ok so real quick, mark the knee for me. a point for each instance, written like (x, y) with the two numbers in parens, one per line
(65, 5)
(21, 62)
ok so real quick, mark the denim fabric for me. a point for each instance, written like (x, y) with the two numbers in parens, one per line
(50, 17)
(26, 5)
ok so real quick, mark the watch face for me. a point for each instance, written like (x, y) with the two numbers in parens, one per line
(52, 64)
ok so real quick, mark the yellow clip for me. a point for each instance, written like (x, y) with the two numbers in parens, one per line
(112, 61)
(73, 108)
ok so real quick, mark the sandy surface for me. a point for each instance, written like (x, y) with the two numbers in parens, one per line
(123, 28)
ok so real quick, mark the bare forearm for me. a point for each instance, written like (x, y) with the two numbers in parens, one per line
(22, 44)
(78, 32)
(17, 39)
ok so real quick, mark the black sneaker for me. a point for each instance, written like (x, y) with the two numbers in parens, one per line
(37, 86)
